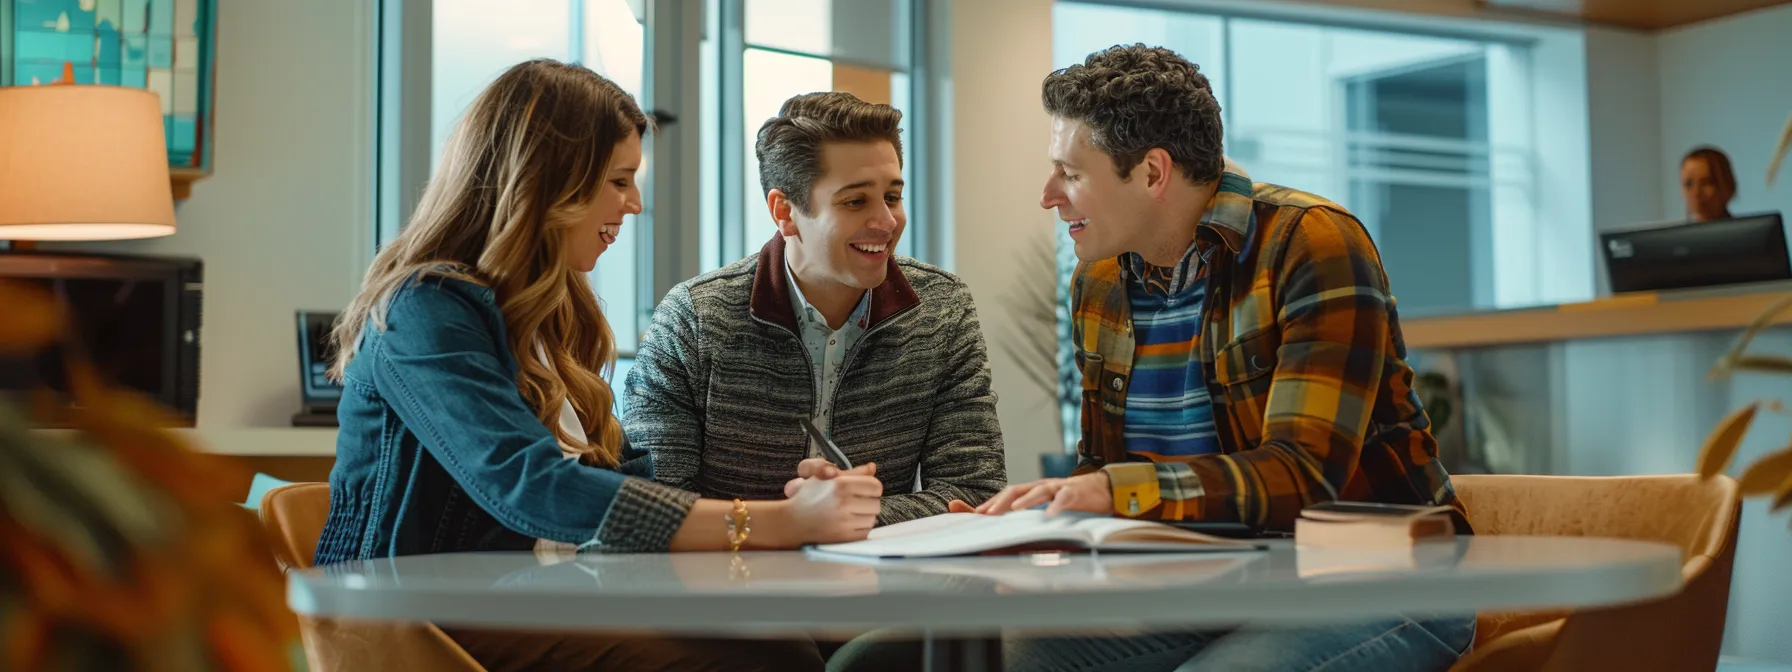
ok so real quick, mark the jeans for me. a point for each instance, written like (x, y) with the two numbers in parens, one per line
(1398, 644)
(529, 651)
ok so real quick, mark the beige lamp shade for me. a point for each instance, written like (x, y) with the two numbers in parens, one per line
(80, 162)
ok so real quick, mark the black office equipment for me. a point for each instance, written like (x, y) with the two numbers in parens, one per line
(134, 318)
(1702, 254)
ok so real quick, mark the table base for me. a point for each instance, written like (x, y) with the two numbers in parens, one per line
(962, 654)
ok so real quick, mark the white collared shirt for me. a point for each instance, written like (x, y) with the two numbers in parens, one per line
(569, 417)
(827, 348)
(570, 424)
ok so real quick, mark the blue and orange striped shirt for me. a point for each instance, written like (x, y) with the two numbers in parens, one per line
(1168, 411)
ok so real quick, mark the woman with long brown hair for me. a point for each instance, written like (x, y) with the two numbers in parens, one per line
(473, 364)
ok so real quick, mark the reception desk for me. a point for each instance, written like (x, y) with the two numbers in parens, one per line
(1520, 386)
(1638, 314)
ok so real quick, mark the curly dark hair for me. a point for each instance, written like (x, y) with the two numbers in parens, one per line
(1135, 98)
(789, 145)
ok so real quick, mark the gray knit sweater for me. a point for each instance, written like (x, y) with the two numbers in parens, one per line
(721, 379)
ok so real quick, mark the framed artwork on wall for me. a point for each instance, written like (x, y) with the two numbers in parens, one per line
(165, 46)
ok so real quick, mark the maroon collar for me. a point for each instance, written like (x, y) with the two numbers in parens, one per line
(771, 290)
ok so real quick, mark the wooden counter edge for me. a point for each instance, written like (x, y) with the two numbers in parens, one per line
(1629, 315)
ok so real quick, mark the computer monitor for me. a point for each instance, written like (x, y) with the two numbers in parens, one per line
(317, 393)
(1701, 254)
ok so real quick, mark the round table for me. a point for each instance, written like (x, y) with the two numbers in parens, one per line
(967, 602)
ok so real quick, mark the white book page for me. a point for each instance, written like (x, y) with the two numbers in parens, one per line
(923, 525)
(967, 535)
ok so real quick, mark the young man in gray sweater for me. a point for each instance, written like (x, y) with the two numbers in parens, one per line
(882, 353)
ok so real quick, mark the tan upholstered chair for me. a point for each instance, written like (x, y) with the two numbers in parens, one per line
(1680, 632)
(294, 517)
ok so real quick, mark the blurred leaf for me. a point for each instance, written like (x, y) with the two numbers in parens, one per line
(1436, 397)
(1720, 446)
(32, 318)
(1766, 474)
(1727, 363)
(1779, 154)
(1785, 497)
(1764, 363)
(1042, 352)
(121, 546)
(241, 645)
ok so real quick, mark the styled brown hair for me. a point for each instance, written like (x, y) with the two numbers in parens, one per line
(1136, 98)
(789, 145)
(519, 170)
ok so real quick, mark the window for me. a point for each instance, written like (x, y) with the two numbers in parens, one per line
(1425, 138)
(701, 196)
(784, 48)
(472, 45)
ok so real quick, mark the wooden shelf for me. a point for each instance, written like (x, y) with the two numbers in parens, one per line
(1629, 315)
(182, 179)
(298, 454)
(253, 441)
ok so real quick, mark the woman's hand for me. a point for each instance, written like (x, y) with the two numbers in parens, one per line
(819, 468)
(832, 510)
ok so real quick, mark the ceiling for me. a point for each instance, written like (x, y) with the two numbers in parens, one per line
(1638, 14)
(1641, 14)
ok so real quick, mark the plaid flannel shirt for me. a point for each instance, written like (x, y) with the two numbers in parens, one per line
(1303, 359)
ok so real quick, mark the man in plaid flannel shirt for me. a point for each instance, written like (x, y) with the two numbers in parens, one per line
(1241, 358)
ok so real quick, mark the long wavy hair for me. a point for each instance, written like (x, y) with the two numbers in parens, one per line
(520, 168)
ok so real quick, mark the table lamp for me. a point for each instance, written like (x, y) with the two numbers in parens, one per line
(83, 162)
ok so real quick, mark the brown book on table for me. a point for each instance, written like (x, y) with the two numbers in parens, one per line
(1369, 525)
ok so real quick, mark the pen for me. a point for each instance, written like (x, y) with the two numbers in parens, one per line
(833, 452)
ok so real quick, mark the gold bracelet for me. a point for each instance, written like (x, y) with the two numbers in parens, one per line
(739, 524)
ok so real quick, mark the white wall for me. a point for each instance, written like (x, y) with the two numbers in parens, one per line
(284, 222)
(1001, 52)
(1724, 83)
(1564, 267)
(1624, 104)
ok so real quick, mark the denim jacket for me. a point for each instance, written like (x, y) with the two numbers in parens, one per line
(438, 452)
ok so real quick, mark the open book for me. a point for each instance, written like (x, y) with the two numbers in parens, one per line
(954, 534)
